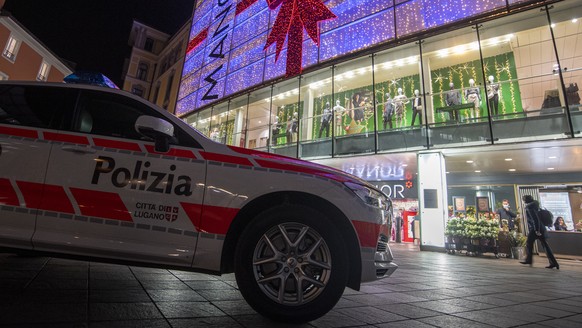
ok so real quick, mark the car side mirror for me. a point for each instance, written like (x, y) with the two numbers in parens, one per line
(156, 129)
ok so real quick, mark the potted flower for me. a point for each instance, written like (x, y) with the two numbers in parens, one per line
(517, 243)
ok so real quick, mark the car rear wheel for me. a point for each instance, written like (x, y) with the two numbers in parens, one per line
(291, 264)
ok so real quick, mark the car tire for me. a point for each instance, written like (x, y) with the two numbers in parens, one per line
(299, 246)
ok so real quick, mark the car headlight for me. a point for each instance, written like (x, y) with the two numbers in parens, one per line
(370, 196)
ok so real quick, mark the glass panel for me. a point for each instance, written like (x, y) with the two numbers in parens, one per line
(399, 99)
(218, 123)
(316, 122)
(567, 18)
(457, 112)
(287, 111)
(236, 127)
(202, 122)
(258, 119)
(523, 93)
(354, 119)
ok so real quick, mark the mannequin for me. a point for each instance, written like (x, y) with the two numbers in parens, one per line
(399, 101)
(276, 130)
(215, 135)
(493, 95)
(357, 107)
(472, 95)
(339, 111)
(292, 128)
(416, 107)
(388, 111)
(325, 120)
(452, 97)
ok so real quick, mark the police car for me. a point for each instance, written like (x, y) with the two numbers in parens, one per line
(100, 174)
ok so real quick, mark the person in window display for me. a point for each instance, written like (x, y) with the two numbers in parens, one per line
(388, 111)
(493, 95)
(472, 95)
(399, 102)
(276, 131)
(416, 107)
(358, 103)
(325, 120)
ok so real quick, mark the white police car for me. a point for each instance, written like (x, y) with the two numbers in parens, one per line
(99, 173)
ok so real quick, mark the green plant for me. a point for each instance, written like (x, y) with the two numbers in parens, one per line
(516, 239)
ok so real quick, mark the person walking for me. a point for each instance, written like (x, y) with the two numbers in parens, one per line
(536, 230)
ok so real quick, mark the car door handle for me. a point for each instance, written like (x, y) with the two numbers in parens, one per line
(79, 150)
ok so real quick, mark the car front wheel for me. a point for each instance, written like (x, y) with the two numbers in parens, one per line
(291, 264)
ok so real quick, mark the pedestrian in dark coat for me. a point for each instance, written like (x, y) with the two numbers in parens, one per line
(536, 230)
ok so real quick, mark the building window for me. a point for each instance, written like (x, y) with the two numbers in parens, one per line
(149, 44)
(43, 71)
(11, 48)
(3, 76)
(137, 90)
(142, 71)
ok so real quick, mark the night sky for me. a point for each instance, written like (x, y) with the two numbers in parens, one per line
(94, 33)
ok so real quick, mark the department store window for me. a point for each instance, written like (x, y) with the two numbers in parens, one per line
(219, 122)
(259, 110)
(523, 89)
(456, 96)
(11, 49)
(237, 122)
(287, 110)
(43, 71)
(202, 122)
(566, 20)
(354, 116)
(317, 120)
(399, 98)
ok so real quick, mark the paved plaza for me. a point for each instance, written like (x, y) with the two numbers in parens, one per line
(428, 290)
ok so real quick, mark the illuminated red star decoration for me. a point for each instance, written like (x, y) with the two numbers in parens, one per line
(408, 184)
(293, 17)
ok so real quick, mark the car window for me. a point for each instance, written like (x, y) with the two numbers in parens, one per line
(114, 115)
(36, 106)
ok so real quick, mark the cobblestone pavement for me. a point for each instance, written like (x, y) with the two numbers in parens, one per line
(429, 289)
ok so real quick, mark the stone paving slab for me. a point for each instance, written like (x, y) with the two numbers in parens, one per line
(428, 290)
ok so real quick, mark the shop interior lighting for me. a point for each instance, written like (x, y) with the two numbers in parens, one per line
(477, 171)
(512, 170)
(551, 168)
(575, 20)
(470, 162)
(553, 157)
(509, 159)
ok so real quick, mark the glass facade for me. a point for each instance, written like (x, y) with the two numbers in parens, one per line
(509, 79)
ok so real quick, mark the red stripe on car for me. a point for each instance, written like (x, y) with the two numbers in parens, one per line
(368, 232)
(194, 212)
(45, 197)
(131, 146)
(19, 132)
(173, 152)
(210, 219)
(101, 204)
(51, 136)
(226, 158)
(7, 193)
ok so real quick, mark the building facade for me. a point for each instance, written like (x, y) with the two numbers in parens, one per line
(362, 83)
(155, 66)
(26, 58)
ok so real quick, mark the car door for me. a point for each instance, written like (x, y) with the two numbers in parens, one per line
(130, 202)
(29, 117)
